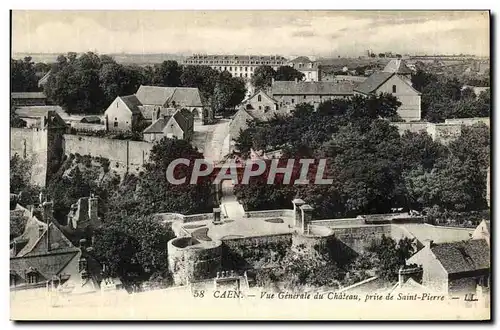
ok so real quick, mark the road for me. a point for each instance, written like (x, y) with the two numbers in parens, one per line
(210, 139)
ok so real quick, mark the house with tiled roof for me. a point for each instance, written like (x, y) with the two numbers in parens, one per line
(455, 268)
(395, 79)
(180, 125)
(43, 256)
(309, 68)
(163, 98)
(291, 93)
(123, 114)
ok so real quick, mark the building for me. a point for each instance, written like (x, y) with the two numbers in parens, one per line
(43, 257)
(260, 101)
(28, 98)
(483, 231)
(242, 66)
(180, 125)
(32, 114)
(291, 93)
(309, 68)
(165, 98)
(44, 79)
(123, 114)
(455, 268)
(395, 79)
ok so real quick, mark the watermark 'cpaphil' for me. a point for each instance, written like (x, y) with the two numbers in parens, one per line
(282, 171)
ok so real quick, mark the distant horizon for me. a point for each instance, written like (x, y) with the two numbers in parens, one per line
(311, 33)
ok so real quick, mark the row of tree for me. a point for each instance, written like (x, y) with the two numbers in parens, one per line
(373, 167)
(263, 76)
(444, 98)
(89, 83)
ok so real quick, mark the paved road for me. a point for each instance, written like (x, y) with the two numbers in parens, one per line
(210, 139)
(232, 208)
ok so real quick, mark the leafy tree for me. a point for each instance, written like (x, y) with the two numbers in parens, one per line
(167, 74)
(19, 174)
(262, 77)
(287, 73)
(391, 255)
(23, 75)
(468, 93)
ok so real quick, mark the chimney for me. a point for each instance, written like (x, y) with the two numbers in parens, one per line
(216, 215)
(306, 217)
(93, 202)
(297, 203)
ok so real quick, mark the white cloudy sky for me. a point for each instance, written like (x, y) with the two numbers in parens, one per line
(319, 33)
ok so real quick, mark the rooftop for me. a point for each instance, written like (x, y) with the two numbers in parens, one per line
(312, 88)
(397, 66)
(463, 256)
(373, 82)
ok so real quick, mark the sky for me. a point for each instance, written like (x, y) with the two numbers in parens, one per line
(313, 33)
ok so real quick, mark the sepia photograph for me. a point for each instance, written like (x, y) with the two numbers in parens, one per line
(250, 165)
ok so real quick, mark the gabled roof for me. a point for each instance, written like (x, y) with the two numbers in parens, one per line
(44, 79)
(463, 256)
(154, 95)
(39, 111)
(28, 95)
(132, 102)
(397, 66)
(47, 265)
(184, 118)
(311, 88)
(373, 82)
(272, 99)
(157, 126)
(185, 96)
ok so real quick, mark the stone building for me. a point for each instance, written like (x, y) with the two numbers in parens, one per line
(260, 101)
(242, 66)
(123, 114)
(456, 267)
(43, 257)
(291, 93)
(395, 79)
(309, 68)
(180, 125)
(166, 98)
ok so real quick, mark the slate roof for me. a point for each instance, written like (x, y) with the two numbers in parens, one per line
(28, 95)
(132, 102)
(48, 265)
(463, 256)
(397, 66)
(373, 82)
(157, 126)
(91, 119)
(184, 118)
(154, 95)
(312, 88)
(185, 96)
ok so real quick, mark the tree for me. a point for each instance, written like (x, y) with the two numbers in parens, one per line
(202, 77)
(287, 73)
(468, 93)
(19, 174)
(262, 77)
(15, 120)
(391, 255)
(167, 74)
(228, 92)
(23, 75)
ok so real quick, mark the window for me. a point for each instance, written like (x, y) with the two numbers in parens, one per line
(241, 69)
(293, 101)
(259, 98)
(246, 68)
(260, 107)
(246, 75)
(230, 68)
(241, 74)
(394, 88)
(115, 124)
(304, 97)
(32, 277)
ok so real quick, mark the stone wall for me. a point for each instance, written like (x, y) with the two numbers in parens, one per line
(190, 260)
(124, 155)
(270, 213)
(358, 237)
(255, 252)
(331, 223)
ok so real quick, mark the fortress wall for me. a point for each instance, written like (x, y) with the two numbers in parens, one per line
(255, 252)
(358, 237)
(124, 155)
(270, 213)
(31, 144)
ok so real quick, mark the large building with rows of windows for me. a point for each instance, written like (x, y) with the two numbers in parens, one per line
(238, 65)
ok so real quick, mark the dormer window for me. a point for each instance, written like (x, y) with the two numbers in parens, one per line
(32, 276)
